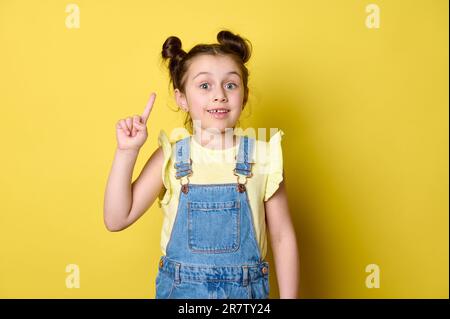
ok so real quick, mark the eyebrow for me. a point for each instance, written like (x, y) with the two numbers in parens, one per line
(231, 72)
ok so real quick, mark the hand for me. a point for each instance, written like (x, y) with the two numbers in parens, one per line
(131, 132)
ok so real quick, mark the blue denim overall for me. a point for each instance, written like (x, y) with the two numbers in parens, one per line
(212, 252)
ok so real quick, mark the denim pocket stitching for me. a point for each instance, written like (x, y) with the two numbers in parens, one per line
(259, 288)
(206, 206)
(171, 289)
(266, 285)
(249, 290)
(202, 206)
(165, 276)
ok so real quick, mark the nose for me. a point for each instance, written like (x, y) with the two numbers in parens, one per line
(220, 97)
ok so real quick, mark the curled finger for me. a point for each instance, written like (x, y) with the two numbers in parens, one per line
(129, 122)
(137, 123)
(124, 127)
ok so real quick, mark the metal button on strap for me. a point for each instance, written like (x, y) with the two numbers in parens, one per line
(161, 263)
(264, 270)
(241, 188)
(184, 188)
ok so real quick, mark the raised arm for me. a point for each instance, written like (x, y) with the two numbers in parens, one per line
(125, 202)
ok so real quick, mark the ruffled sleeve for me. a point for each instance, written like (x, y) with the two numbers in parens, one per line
(164, 142)
(275, 174)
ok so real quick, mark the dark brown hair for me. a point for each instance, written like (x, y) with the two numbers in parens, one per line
(232, 45)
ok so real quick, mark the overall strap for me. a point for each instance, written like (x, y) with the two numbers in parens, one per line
(183, 163)
(244, 160)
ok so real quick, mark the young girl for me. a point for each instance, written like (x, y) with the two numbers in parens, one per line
(221, 189)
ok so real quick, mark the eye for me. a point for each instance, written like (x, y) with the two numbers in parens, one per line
(203, 85)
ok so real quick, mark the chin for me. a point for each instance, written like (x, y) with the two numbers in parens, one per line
(217, 128)
(226, 126)
(221, 126)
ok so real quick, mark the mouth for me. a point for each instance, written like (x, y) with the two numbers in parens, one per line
(219, 113)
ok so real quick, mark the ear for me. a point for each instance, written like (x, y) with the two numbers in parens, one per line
(181, 100)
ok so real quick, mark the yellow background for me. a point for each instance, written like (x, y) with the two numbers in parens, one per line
(365, 113)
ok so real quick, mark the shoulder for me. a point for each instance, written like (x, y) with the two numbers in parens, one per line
(167, 143)
(274, 167)
(277, 137)
(167, 152)
(266, 152)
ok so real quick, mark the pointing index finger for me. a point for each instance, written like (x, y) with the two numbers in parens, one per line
(148, 108)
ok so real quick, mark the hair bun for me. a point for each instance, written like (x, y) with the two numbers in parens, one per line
(235, 43)
(171, 49)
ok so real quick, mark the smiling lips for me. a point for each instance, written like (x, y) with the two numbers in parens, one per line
(219, 113)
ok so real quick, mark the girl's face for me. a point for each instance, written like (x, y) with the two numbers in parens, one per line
(212, 83)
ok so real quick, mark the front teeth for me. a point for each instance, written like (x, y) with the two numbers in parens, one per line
(218, 111)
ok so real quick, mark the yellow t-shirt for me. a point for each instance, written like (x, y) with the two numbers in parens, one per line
(216, 167)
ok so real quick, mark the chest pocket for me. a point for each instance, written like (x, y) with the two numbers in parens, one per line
(213, 227)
